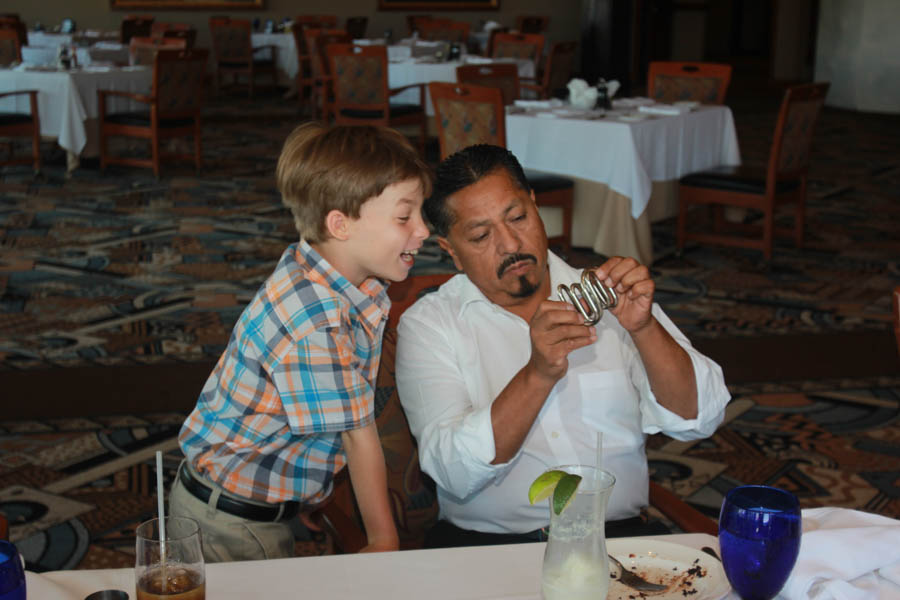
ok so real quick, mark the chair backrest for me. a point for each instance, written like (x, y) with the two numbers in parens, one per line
(412, 22)
(467, 114)
(231, 39)
(444, 30)
(178, 81)
(532, 23)
(317, 57)
(675, 81)
(518, 45)
(558, 68)
(142, 50)
(10, 49)
(13, 22)
(160, 27)
(135, 25)
(189, 35)
(791, 143)
(321, 42)
(360, 76)
(504, 76)
(356, 27)
(316, 21)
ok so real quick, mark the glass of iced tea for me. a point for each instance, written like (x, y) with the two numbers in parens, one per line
(172, 570)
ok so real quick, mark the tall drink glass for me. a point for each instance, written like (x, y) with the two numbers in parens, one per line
(12, 575)
(181, 576)
(576, 566)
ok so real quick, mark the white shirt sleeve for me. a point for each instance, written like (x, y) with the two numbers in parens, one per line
(455, 437)
(712, 394)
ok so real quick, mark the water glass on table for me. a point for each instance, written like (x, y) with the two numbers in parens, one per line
(174, 569)
(759, 536)
(12, 574)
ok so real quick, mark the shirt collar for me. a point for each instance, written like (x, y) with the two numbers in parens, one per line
(370, 299)
(560, 272)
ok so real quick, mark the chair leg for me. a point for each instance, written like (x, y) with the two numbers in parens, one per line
(681, 232)
(154, 153)
(800, 215)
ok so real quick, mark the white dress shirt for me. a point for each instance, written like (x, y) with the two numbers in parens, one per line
(457, 351)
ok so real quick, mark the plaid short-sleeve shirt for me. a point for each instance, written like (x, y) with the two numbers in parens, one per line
(299, 369)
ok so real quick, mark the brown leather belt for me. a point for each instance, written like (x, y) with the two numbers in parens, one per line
(233, 506)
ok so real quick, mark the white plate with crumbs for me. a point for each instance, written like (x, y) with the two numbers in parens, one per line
(687, 572)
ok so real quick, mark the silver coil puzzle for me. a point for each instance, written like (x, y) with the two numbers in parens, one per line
(589, 297)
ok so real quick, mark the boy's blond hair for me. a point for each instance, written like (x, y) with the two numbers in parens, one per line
(325, 168)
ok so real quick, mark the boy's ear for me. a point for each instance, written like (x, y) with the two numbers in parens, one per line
(445, 245)
(338, 224)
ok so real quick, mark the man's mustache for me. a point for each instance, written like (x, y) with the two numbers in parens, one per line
(513, 259)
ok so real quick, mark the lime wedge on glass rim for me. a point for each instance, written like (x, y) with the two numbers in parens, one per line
(559, 483)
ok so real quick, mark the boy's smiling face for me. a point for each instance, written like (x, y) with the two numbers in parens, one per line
(385, 238)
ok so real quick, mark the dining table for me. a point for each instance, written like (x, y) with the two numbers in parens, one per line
(625, 163)
(67, 101)
(689, 564)
(285, 54)
(424, 69)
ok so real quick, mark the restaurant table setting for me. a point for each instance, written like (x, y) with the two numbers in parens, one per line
(844, 554)
(620, 158)
(67, 100)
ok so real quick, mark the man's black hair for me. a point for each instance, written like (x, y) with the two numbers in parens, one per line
(460, 170)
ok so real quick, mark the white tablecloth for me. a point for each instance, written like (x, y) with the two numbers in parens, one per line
(46, 55)
(409, 72)
(68, 99)
(510, 572)
(625, 157)
(285, 52)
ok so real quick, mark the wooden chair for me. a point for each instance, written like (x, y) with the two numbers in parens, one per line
(174, 109)
(356, 27)
(135, 26)
(316, 21)
(13, 124)
(782, 181)
(361, 92)
(233, 52)
(317, 41)
(675, 81)
(13, 22)
(557, 71)
(532, 23)
(470, 114)
(10, 47)
(504, 76)
(412, 22)
(142, 50)
(189, 36)
(4, 527)
(489, 49)
(412, 494)
(519, 45)
(444, 30)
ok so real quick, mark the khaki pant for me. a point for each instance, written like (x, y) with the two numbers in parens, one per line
(227, 537)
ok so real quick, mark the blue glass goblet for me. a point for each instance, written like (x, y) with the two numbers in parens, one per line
(759, 536)
(12, 575)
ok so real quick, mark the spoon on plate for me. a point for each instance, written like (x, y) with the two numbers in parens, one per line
(635, 581)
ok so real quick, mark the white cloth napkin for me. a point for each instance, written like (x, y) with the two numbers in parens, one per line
(538, 104)
(663, 109)
(631, 102)
(843, 553)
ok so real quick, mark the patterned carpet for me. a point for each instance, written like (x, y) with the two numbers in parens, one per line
(122, 269)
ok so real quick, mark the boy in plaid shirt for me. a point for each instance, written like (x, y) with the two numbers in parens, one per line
(291, 400)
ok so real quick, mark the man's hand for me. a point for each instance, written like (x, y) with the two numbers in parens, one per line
(631, 281)
(556, 330)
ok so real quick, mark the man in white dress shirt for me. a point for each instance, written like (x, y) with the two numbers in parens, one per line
(500, 381)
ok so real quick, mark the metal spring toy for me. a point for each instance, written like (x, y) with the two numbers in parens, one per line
(590, 292)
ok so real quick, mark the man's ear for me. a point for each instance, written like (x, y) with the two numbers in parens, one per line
(443, 243)
(338, 225)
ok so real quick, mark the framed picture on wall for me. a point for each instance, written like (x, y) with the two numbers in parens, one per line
(438, 4)
(176, 4)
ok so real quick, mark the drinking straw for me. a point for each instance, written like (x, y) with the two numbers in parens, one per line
(599, 449)
(162, 518)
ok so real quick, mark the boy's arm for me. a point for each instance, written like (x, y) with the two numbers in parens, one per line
(368, 475)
